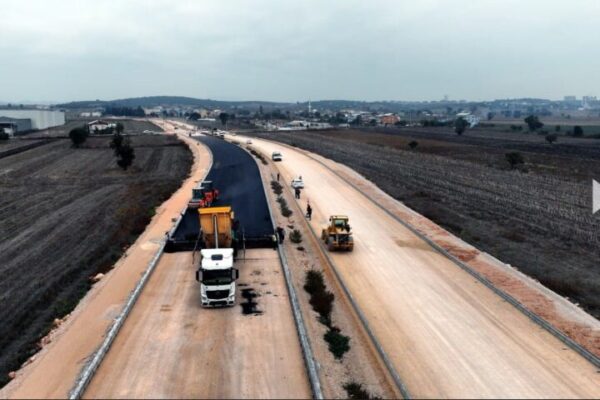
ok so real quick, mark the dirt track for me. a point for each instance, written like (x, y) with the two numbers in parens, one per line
(447, 335)
(170, 347)
(55, 368)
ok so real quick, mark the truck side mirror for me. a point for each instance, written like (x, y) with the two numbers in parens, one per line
(199, 275)
(235, 274)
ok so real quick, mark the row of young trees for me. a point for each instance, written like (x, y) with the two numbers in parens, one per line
(120, 144)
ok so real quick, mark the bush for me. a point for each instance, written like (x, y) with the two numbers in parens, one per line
(78, 136)
(413, 145)
(577, 131)
(356, 391)
(314, 282)
(338, 344)
(277, 188)
(321, 299)
(285, 210)
(514, 158)
(551, 138)
(296, 236)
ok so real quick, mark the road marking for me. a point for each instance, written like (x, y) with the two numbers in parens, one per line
(596, 196)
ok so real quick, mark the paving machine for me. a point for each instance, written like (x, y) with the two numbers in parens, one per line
(203, 195)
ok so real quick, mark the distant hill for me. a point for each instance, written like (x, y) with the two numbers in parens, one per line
(153, 101)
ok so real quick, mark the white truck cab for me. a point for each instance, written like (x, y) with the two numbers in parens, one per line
(217, 277)
(276, 156)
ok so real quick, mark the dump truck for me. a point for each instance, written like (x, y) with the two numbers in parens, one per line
(203, 195)
(216, 273)
(338, 235)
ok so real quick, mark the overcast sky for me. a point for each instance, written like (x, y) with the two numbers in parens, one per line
(295, 50)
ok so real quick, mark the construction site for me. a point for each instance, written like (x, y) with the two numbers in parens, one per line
(273, 272)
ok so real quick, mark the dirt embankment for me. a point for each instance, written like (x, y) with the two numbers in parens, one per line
(65, 215)
(540, 222)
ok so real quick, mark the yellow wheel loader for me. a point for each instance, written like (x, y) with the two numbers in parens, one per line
(337, 235)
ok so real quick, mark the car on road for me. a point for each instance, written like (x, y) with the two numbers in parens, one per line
(298, 183)
(276, 156)
(248, 141)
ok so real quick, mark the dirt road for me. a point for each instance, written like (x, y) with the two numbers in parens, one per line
(447, 335)
(170, 347)
(55, 368)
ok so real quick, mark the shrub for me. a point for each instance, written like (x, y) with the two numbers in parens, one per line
(551, 138)
(413, 145)
(277, 188)
(296, 236)
(577, 131)
(314, 282)
(514, 158)
(338, 344)
(356, 391)
(285, 210)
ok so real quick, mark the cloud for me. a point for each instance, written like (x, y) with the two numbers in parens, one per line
(289, 50)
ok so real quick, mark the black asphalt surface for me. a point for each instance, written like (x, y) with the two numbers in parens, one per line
(236, 176)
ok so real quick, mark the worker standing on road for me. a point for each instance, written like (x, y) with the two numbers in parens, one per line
(281, 234)
(278, 177)
(297, 192)
(274, 239)
(309, 212)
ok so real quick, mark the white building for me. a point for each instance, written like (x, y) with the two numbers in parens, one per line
(40, 119)
(99, 125)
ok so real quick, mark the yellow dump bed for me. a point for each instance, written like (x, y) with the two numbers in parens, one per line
(219, 219)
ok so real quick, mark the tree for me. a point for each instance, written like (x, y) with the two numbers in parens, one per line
(224, 117)
(78, 136)
(126, 155)
(120, 128)
(551, 138)
(557, 128)
(195, 116)
(413, 145)
(533, 123)
(490, 115)
(123, 150)
(514, 158)
(116, 143)
(460, 125)
(577, 131)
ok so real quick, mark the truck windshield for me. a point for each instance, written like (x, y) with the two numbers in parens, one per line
(217, 277)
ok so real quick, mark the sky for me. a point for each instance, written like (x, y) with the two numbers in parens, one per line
(294, 50)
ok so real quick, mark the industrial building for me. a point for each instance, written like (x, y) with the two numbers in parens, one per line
(26, 119)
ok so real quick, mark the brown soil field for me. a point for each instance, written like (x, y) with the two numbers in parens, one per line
(538, 219)
(65, 215)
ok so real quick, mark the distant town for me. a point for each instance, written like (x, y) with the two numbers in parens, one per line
(16, 119)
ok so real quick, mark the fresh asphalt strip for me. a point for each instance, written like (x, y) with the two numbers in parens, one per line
(235, 174)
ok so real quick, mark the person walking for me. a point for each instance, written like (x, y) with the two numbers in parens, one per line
(281, 234)
(297, 192)
(274, 239)
(278, 177)
(309, 212)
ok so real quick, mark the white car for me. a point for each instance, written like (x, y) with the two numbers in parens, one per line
(276, 156)
(248, 141)
(298, 183)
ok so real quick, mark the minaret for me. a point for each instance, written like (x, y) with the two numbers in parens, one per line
(309, 108)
